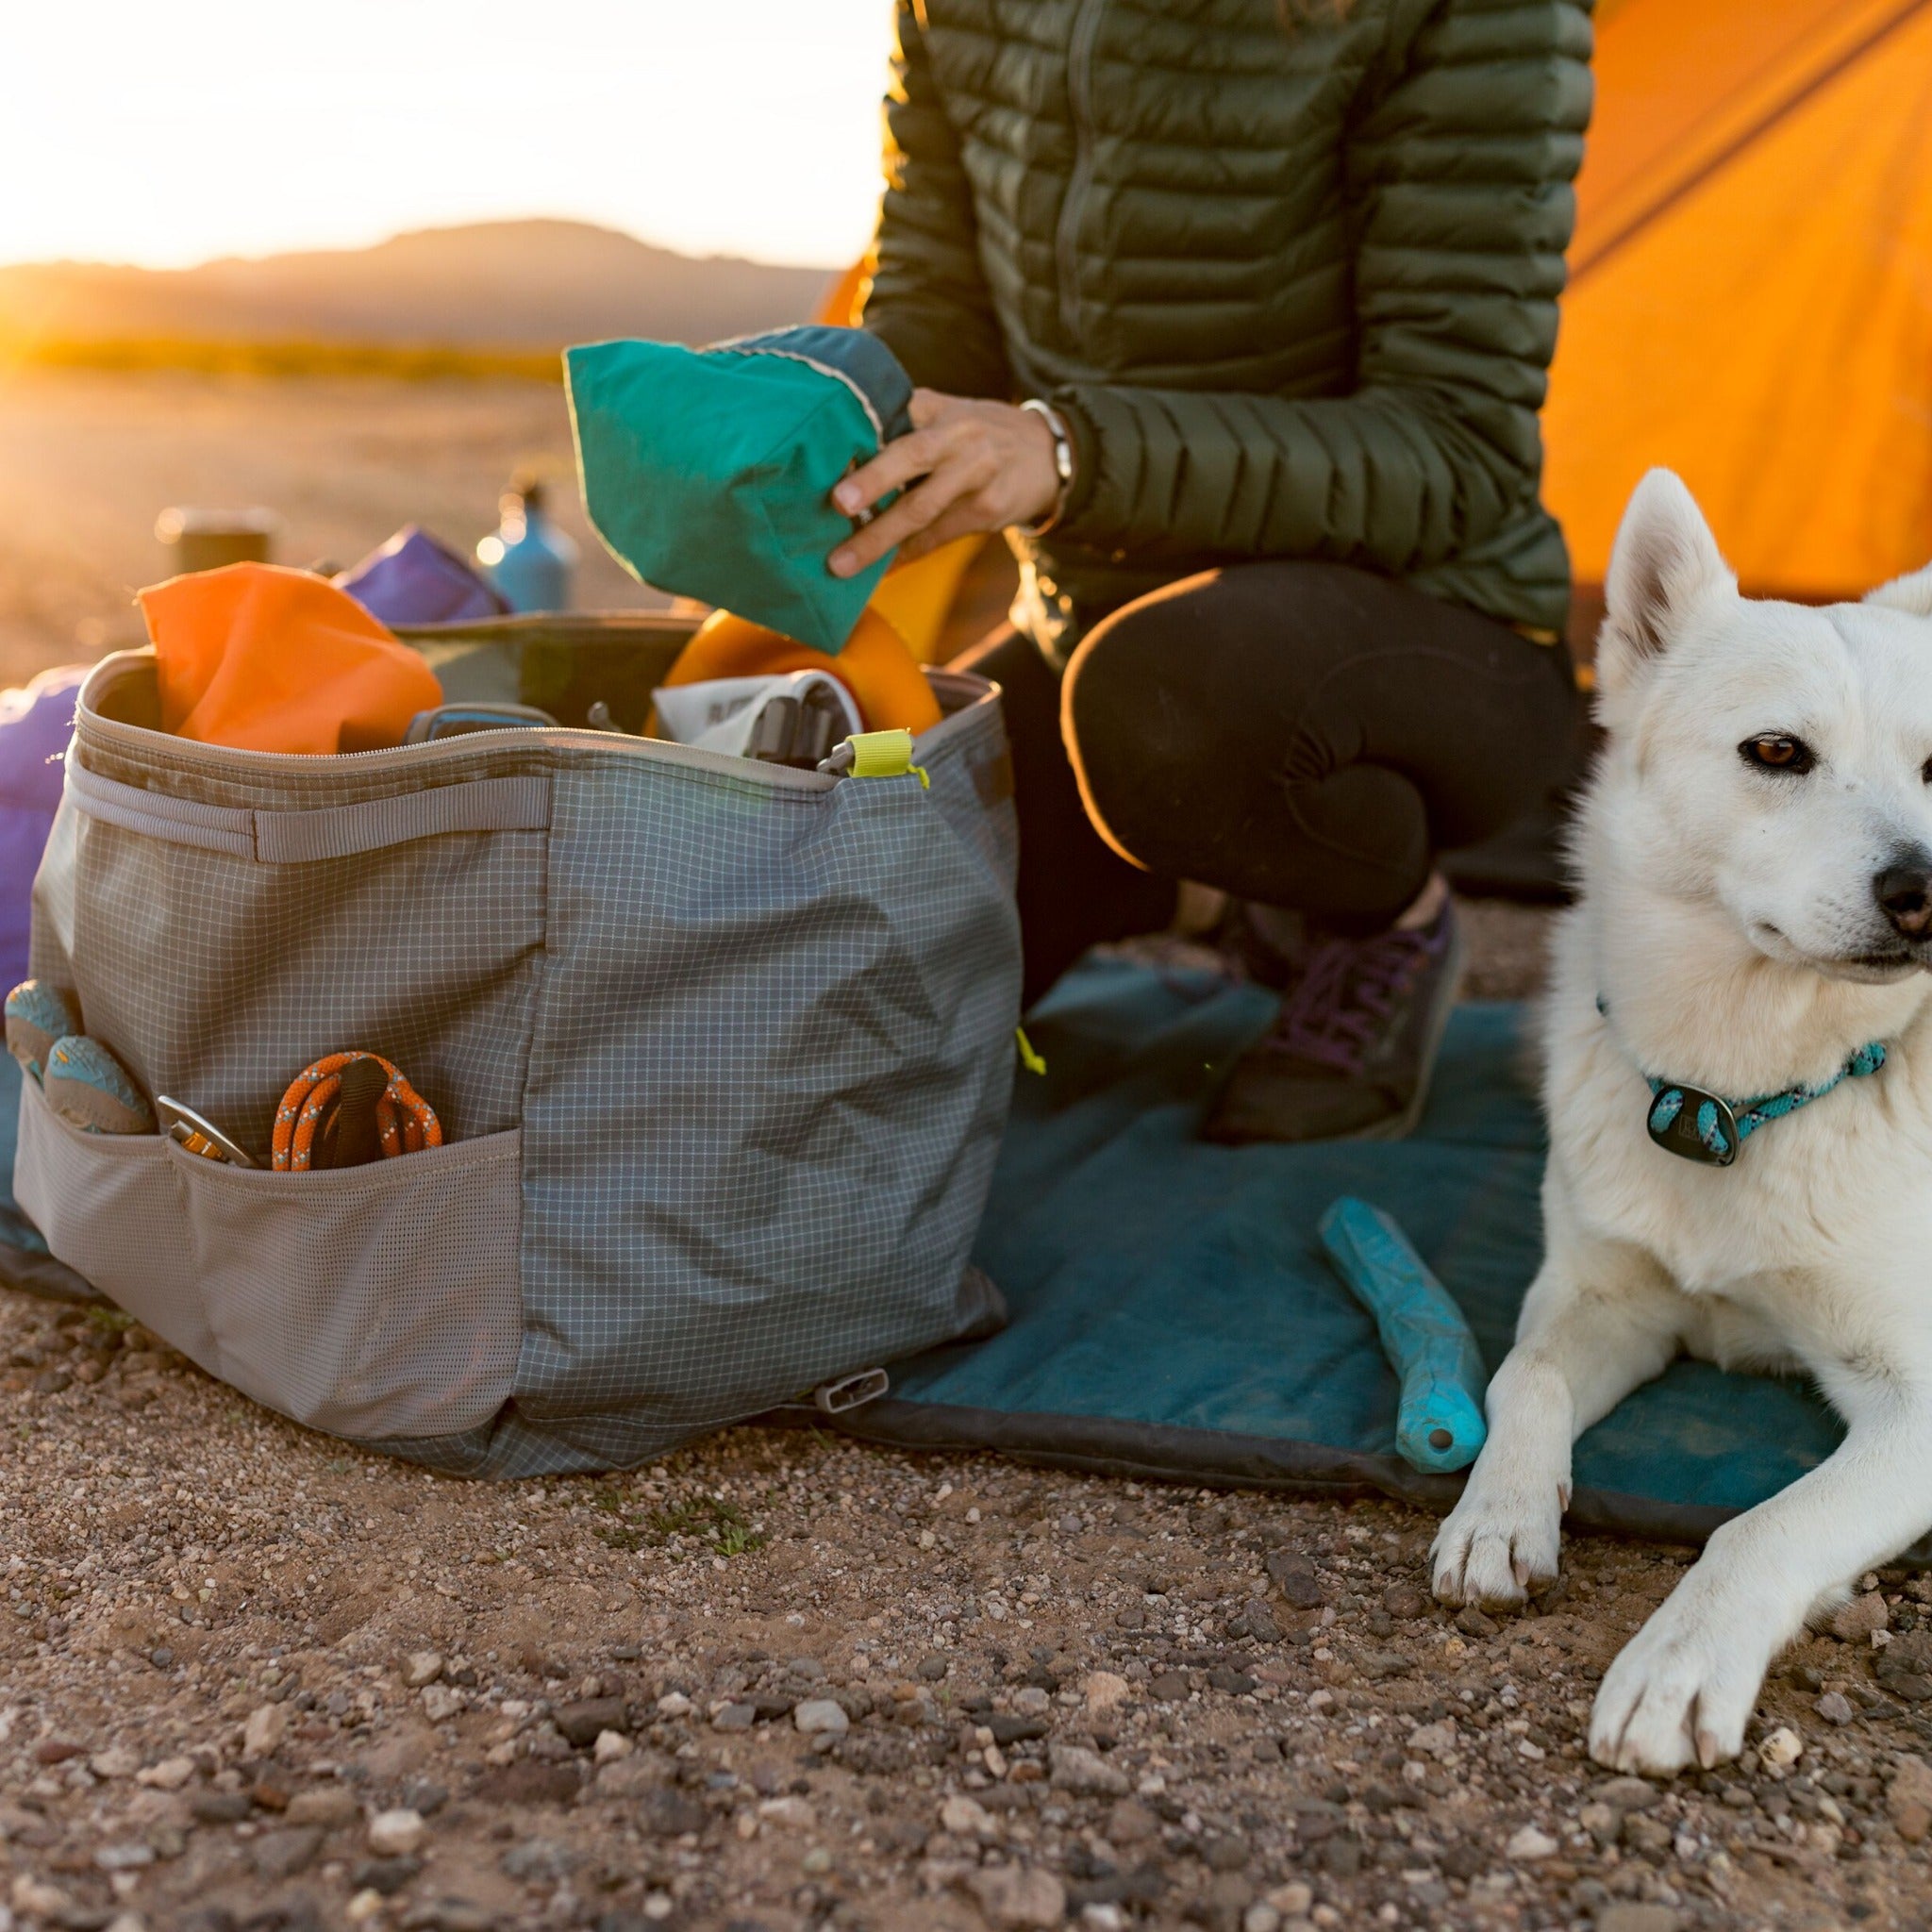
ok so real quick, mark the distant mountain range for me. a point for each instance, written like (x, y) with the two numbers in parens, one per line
(519, 286)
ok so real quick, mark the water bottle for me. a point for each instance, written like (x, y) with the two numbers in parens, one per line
(529, 559)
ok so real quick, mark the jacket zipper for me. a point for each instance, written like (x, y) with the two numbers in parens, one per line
(1086, 30)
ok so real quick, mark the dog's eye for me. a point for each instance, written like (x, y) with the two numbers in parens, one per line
(1778, 753)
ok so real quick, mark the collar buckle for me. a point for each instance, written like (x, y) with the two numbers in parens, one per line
(1694, 1126)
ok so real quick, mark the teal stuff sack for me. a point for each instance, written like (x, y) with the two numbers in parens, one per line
(708, 473)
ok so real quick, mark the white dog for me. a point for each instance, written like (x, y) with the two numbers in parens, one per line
(1743, 981)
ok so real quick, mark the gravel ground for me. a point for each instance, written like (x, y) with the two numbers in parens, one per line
(252, 1678)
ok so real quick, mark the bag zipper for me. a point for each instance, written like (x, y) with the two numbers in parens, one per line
(137, 740)
(1086, 30)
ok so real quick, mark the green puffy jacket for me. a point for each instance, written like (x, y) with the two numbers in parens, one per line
(1291, 278)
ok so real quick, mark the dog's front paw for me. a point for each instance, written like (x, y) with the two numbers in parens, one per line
(1680, 1692)
(1499, 1542)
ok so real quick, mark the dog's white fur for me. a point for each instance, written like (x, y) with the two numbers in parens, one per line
(1730, 923)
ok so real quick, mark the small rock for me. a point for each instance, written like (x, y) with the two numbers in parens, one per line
(396, 1834)
(1403, 1600)
(627, 1777)
(1854, 1622)
(58, 1751)
(1908, 1797)
(583, 1720)
(538, 1859)
(666, 1813)
(1432, 1741)
(821, 1717)
(263, 1735)
(1104, 1691)
(219, 1808)
(1170, 1687)
(790, 1813)
(963, 1818)
(1529, 1844)
(1905, 1667)
(421, 1667)
(170, 1774)
(1472, 1621)
(735, 1717)
(129, 1856)
(441, 1702)
(423, 1794)
(117, 1762)
(1913, 1820)
(610, 1746)
(285, 1854)
(1782, 1748)
(1292, 1900)
(674, 1703)
(1294, 1576)
(1835, 1708)
(1625, 1916)
(1226, 1853)
(384, 1877)
(328, 1806)
(1623, 1794)
(1254, 1619)
(1084, 1773)
(932, 1670)
(1131, 1823)
(1015, 1898)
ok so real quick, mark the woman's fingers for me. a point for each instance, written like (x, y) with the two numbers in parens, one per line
(968, 516)
(918, 508)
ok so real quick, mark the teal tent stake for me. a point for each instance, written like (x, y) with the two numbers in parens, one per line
(1439, 1421)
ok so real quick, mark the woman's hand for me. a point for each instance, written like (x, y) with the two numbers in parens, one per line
(983, 465)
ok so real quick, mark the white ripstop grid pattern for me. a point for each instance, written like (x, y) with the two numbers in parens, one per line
(757, 1039)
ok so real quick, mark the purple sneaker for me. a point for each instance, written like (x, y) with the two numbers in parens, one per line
(1350, 1054)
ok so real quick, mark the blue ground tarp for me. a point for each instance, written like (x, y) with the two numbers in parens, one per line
(1173, 1313)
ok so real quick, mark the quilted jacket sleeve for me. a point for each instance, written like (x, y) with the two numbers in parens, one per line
(928, 301)
(1459, 171)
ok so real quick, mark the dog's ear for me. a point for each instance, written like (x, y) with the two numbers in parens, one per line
(1664, 562)
(1912, 595)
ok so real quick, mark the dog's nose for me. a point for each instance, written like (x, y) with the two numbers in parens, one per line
(1904, 891)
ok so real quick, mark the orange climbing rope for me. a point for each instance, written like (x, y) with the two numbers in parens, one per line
(305, 1120)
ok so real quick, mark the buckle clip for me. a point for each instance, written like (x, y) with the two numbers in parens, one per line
(851, 1392)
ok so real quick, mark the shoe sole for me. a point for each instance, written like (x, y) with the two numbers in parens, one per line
(1401, 1126)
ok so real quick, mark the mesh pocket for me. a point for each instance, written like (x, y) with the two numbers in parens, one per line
(381, 1302)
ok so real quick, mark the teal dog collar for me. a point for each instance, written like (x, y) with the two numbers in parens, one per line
(1706, 1127)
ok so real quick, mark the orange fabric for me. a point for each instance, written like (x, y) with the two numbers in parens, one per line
(264, 659)
(876, 666)
(1751, 285)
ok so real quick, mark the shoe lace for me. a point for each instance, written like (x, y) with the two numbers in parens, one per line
(1333, 1014)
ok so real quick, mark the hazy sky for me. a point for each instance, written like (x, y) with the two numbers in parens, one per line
(134, 131)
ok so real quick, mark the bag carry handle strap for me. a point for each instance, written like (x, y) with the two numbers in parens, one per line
(336, 831)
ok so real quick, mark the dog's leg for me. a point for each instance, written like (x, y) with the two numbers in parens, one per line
(1597, 1322)
(1684, 1687)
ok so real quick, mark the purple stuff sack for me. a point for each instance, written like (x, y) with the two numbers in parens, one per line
(415, 578)
(35, 725)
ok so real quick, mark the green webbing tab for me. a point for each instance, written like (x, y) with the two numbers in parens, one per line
(884, 755)
(1029, 1058)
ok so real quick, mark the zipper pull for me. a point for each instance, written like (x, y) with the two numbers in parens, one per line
(875, 755)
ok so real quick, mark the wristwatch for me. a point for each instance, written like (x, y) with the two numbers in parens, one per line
(1062, 465)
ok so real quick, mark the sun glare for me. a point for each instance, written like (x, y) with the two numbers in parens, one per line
(170, 135)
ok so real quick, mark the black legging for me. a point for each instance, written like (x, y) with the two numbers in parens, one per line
(1300, 734)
